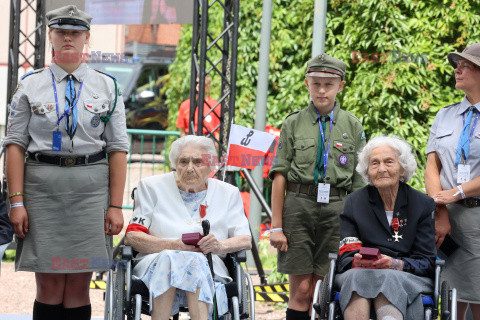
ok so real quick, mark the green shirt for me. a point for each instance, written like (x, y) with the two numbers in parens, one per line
(298, 146)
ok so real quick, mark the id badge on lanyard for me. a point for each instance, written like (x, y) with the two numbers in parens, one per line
(463, 169)
(323, 193)
(463, 173)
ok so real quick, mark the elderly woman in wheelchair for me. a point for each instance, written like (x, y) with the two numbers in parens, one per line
(392, 217)
(171, 205)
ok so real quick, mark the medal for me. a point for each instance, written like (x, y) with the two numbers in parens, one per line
(395, 225)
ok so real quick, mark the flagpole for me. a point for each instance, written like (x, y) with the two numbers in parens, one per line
(260, 115)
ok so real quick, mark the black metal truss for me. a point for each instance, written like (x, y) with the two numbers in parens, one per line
(18, 38)
(214, 54)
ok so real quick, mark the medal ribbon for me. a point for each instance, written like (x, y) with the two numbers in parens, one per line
(68, 105)
(325, 152)
(395, 225)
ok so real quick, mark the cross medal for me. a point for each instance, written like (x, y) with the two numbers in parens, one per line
(395, 225)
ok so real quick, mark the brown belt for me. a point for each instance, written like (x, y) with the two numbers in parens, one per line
(312, 190)
(469, 202)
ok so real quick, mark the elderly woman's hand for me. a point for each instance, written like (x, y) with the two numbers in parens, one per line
(179, 245)
(210, 244)
(447, 196)
(385, 262)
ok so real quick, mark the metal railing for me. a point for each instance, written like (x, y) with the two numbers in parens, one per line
(147, 156)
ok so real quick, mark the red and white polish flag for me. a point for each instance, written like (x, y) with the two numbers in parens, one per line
(247, 147)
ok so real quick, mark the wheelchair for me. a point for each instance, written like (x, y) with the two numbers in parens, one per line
(326, 299)
(129, 297)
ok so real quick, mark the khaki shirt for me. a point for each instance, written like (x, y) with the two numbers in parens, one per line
(297, 150)
(33, 116)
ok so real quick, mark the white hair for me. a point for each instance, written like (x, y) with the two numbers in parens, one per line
(404, 154)
(200, 141)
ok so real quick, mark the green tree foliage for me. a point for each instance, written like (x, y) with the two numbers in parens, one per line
(391, 88)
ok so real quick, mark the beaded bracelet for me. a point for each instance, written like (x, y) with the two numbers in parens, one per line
(11, 195)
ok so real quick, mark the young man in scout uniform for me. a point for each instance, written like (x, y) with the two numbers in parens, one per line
(316, 177)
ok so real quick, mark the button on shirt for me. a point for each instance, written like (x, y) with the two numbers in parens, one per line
(443, 140)
(33, 116)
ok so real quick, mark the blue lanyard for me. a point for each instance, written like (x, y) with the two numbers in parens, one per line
(325, 152)
(69, 107)
(474, 124)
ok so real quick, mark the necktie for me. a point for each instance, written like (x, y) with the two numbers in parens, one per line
(70, 96)
(464, 141)
(321, 148)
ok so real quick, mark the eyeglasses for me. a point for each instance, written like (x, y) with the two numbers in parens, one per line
(465, 67)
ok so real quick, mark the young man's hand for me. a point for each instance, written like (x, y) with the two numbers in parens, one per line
(279, 241)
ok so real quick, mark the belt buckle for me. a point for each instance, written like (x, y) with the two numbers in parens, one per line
(68, 161)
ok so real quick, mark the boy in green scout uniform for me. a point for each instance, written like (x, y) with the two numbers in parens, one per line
(316, 178)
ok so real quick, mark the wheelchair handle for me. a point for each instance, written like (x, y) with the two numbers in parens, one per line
(206, 227)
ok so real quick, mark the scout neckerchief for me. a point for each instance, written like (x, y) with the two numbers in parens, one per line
(464, 141)
(70, 104)
(463, 149)
(321, 147)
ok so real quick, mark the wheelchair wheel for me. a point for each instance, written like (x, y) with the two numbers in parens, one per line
(445, 296)
(119, 292)
(247, 297)
(324, 298)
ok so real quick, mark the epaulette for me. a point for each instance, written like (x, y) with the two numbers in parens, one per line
(31, 72)
(292, 113)
(109, 75)
(452, 105)
(119, 92)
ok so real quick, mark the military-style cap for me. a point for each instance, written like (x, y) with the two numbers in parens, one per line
(324, 65)
(68, 17)
(471, 53)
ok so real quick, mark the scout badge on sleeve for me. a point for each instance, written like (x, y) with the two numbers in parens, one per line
(395, 225)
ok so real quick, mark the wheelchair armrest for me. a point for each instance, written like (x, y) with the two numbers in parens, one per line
(240, 256)
(439, 262)
(127, 253)
(436, 286)
(332, 256)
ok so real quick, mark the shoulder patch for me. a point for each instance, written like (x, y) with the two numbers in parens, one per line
(362, 137)
(31, 72)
